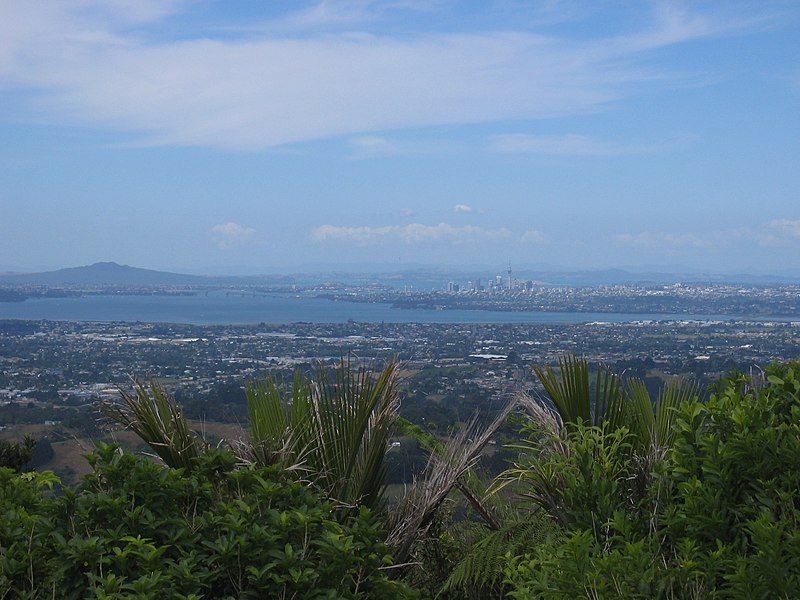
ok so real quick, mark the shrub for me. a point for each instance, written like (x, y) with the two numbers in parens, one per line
(136, 529)
(720, 517)
(15, 455)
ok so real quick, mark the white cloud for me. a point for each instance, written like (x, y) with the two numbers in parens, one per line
(332, 14)
(660, 239)
(97, 63)
(462, 208)
(371, 146)
(375, 146)
(230, 233)
(534, 236)
(323, 14)
(562, 145)
(787, 227)
(779, 232)
(413, 233)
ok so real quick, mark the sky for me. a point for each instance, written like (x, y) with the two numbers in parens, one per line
(253, 137)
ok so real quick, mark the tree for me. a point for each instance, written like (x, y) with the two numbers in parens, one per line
(719, 517)
(332, 429)
(15, 455)
(609, 401)
(137, 529)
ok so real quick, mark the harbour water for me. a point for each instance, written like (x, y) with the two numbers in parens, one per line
(219, 308)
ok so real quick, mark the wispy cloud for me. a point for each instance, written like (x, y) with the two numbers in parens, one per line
(363, 147)
(661, 239)
(534, 236)
(562, 145)
(371, 146)
(325, 14)
(788, 227)
(93, 62)
(778, 232)
(413, 233)
(230, 233)
(462, 208)
(337, 14)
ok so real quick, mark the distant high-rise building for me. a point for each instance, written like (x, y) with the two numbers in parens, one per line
(509, 273)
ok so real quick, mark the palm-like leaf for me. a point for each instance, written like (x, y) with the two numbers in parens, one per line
(573, 396)
(278, 427)
(336, 426)
(151, 413)
(652, 422)
(352, 414)
(609, 402)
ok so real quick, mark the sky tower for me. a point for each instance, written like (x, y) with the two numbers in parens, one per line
(509, 273)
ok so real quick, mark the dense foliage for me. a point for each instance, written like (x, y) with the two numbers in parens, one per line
(331, 430)
(15, 455)
(137, 529)
(613, 490)
(718, 517)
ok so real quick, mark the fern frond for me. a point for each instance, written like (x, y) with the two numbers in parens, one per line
(479, 574)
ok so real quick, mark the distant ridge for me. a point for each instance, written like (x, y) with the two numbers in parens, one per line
(107, 273)
(115, 274)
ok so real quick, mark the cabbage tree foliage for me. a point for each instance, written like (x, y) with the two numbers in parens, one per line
(335, 427)
(152, 414)
(331, 429)
(605, 399)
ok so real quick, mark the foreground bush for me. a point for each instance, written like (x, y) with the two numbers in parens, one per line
(719, 516)
(136, 529)
(15, 455)
(331, 430)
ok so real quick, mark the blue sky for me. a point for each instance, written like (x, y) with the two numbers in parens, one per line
(256, 136)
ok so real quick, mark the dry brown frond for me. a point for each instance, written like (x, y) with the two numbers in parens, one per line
(548, 420)
(412, 518)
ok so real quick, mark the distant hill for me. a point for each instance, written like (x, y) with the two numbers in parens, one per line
(114, 274)
(107, 273)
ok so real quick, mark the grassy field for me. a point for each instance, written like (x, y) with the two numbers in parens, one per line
(69, 449)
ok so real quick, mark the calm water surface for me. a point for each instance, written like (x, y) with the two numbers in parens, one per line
(218, 308)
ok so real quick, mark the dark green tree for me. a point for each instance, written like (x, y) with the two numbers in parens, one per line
(15, 455)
